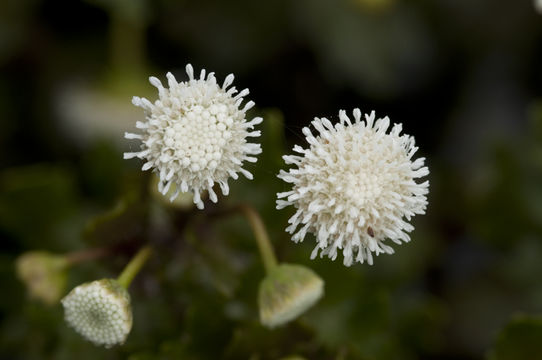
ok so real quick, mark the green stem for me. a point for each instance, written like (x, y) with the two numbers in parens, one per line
(262, 239)
(133, 267)
(126, 45)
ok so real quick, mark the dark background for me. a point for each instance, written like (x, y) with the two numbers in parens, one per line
(464, 77)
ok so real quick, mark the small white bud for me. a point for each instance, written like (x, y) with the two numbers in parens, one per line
(100, 311)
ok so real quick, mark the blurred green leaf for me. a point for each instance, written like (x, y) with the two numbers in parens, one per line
(38, 205)
(102, 171)
(521, 338)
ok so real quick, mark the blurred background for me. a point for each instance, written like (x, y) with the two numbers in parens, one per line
(464, 77)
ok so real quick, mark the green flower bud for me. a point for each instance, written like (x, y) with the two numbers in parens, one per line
(100, 311)
(44, 275)
(287, 292)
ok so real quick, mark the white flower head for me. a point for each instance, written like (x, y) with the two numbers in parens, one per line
(538, 5)
(354, 187)
(99, 311)
(196, 134)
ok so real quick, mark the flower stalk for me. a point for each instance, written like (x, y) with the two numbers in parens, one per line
(262, 238)
(126, 44)
(78, 257)
(134, 266)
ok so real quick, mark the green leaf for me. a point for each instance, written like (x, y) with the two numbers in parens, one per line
(37, 204)
(521, 338)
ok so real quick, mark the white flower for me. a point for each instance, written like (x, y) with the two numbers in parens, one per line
(538, 5)
(354, 186)
(195, 134)
(99, 311)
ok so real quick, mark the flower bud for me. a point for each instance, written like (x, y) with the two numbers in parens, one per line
(100, 311)
(43, 274)
(287, 292)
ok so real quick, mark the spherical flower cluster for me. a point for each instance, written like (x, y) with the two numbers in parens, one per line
(99, 311)
(354, 187)
(196, 134)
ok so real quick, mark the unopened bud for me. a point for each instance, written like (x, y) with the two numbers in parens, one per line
(43, 274)
(100, 311)
(287, 292)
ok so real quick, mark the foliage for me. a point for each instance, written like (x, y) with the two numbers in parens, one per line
(462, 77)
